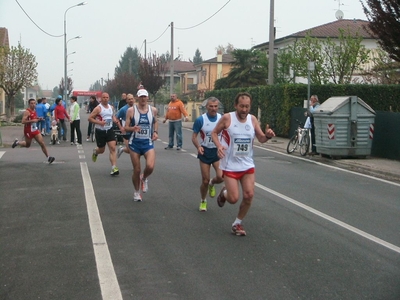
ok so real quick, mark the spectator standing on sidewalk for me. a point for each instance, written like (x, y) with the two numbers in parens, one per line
(174, 114)
(75, 122)
(103, 117)
(40, 112)
(91, 106)
(239, 128)
(122, 102)
(59, 114)
(206, 150)
(314, 104)
(141, 122)
(48, 116)
(31, 131)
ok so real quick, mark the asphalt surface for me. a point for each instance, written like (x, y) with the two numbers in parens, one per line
(378, 167)
(314, 231)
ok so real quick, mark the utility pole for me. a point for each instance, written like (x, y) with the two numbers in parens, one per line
(271, 44)
(171, 67)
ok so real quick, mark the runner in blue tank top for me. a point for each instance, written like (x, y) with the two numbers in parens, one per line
(141, 121)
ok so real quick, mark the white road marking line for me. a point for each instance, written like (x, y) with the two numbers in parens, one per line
(331, 219)
(109, 285)
(2, 153)
(332, 167)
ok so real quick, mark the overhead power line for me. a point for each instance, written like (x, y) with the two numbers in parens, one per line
(35, 23)
(205, 19)
(186, 28)
(160, 35)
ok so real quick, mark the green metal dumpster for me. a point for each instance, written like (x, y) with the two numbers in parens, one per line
(344, 127)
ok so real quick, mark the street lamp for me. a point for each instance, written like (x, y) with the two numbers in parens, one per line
(65, 48)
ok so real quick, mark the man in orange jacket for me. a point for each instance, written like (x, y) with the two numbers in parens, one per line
(174, 114)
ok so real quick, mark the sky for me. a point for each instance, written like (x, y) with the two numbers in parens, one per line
(108, 27)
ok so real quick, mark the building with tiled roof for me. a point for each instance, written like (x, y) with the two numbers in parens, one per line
(211, 70)
(329, 30)
(4, 42)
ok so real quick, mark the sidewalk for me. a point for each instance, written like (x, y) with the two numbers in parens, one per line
(377, 167)
(373, 166)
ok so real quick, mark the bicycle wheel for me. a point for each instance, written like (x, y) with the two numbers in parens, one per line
(292, 144)
(305, 143)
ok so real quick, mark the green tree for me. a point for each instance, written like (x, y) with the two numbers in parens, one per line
(55, 92)
(384, 17)
(342, 59)
(384, 70)
(197, 58)
(335, 60)
(129, 62)
(249, 68)
(17, 70)
(97, 86)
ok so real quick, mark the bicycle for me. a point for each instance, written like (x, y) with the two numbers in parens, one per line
(300, 139)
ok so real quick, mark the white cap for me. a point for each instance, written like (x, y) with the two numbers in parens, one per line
(142, 92)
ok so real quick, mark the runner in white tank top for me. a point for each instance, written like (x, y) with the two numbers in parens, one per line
(103, 118)
(236, 152)
(238, 140)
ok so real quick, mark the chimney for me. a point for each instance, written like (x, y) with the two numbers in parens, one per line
(219, 56)
(219, 64)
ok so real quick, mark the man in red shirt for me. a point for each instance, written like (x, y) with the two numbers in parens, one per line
(31, 130)
(59, 114)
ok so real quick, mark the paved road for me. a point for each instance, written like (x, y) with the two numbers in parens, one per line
(71, 231)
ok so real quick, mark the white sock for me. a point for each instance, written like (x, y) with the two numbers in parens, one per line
(205, 200)
(237, 221)
(210, 183)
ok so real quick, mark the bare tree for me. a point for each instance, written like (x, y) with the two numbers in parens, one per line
(17, 70)
(70, 86)
(151, 72)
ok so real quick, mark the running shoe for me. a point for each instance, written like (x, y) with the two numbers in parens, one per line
(15, 144)
(178, 148)
(203, 206)
(238, 230)
(94, 155)
(144, 184)
(51, 159)
(58, 142)
(137, 197)
(119, 151)
(114, 171)
(167, 148)
(221, 198)
(211, 190)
